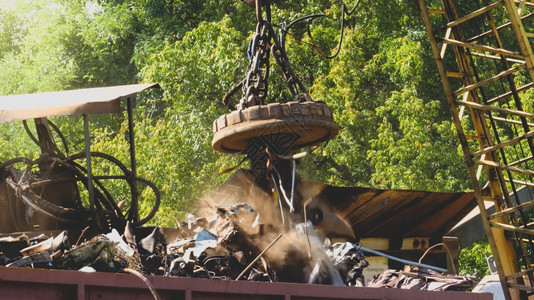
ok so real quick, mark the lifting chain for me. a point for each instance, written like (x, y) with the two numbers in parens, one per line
(264, 43)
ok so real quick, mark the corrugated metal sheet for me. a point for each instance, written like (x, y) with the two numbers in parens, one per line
(72, 102)
(397, 213)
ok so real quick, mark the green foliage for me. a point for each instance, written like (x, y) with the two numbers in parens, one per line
(35, 59)
(197, 70)
(15, 143)
(383, 87)
(472, 259)
(185, 166)
(408, 124)
(12, 31)
(393, 121)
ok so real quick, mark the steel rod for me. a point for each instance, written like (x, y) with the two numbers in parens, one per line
(404, 261)
(480, 47)
(88, 162)
(259, 256)
(507, 111)
(134, 208)
(489, 80)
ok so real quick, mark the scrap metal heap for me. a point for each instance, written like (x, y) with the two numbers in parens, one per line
(227, 247)
(196, 252)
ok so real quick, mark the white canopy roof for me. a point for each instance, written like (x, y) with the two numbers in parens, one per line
(72, 102)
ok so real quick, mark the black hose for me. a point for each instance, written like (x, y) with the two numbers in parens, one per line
(103, 198)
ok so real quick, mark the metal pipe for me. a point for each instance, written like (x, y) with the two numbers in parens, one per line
(258, 257)
(404, 261)
(279, 199)
(293, 183)
(88, 162)
(134, 208)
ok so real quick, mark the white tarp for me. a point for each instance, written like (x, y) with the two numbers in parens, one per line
(72, 102)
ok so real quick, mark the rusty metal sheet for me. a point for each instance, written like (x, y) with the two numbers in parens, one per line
(396, 213)
(71, 102)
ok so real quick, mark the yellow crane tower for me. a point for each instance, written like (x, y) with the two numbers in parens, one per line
(493, 117)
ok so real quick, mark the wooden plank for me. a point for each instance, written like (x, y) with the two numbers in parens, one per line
(526, 3)
(521, 161)
(504, 167)
(494, 57)
(519, 274)
(511, 210)
(521, 7)
(375, 243)
(455, 74)
(444, 46)
(521, 287)
(520, 182)
(489, 199)
(506, 25)
(511, 121)
(436, 11)
(473, 137)
(415, 243)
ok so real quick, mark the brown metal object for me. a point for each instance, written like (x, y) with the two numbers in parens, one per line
(251, 3)
(58, 187)
(392, 214)
(312, 121)
(57, 284)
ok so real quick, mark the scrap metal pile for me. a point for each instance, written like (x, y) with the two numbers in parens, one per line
(216, 249)
(229, 246)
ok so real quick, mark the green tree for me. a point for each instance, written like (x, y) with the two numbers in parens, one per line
(472, 259)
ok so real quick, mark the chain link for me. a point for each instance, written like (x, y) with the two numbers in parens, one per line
(256, 82)
(264, 43)
(278, 51)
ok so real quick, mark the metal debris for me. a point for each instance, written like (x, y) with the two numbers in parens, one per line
(233, 245)
(414, 278)
(222, 248)
(349, 261)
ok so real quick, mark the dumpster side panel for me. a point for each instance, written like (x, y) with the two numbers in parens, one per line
(22, 283)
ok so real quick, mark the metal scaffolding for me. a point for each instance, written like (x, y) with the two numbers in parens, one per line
(485, 61)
